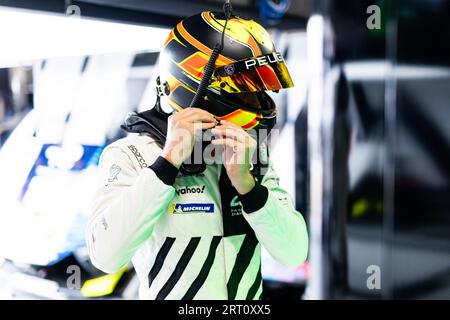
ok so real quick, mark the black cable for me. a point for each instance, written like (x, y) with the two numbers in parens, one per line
(209, 69)
(207, 73)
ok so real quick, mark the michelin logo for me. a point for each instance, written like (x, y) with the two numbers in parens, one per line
(183, 208)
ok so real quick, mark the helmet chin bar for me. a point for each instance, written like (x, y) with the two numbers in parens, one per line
(227, 100)
(266, 106)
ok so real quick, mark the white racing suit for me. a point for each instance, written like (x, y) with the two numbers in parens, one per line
(184, 240)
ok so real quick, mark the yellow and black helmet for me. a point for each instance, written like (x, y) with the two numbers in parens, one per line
(247, 66)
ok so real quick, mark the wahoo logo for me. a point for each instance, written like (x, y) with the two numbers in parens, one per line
(186, 190)
(183, 208)
(260, 61)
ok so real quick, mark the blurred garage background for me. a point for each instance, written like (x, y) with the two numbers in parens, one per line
(363, 146)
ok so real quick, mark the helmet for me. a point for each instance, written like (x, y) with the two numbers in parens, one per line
(247, 66)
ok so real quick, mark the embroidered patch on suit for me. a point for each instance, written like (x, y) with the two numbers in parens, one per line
(187, 208)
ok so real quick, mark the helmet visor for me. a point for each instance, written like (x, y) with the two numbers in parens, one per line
(263, 73)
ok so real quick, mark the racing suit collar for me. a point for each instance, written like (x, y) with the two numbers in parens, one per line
(151, 122)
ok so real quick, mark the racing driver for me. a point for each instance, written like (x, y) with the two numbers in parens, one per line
(195, 230)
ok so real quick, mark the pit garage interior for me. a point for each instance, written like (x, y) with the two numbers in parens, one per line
(363, 145)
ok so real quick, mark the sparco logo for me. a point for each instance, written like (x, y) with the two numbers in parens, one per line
(185, 190)
(138, 156)
(264, 60)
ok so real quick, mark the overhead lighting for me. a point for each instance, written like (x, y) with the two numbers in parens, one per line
(378, 70)
(27, 36)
